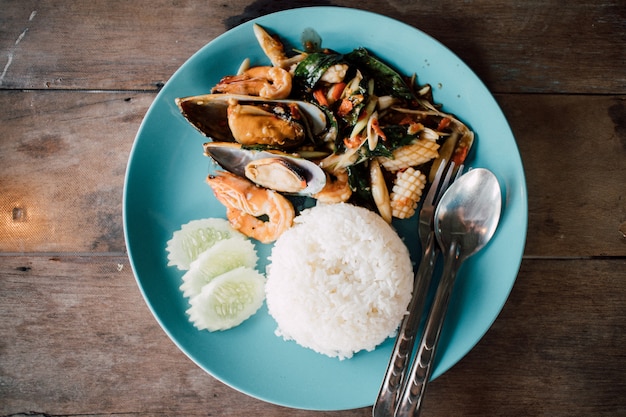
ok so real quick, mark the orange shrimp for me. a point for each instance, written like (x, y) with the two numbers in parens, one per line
(266, 82)
(337, 188)
(246, 203)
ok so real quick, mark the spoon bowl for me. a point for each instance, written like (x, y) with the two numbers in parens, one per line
(469, 211)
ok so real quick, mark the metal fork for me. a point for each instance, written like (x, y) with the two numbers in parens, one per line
(395, 375)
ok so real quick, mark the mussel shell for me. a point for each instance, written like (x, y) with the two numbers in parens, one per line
(208, 113)
(233, 158)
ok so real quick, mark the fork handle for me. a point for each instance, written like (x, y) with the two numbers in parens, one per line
(395, 375)
(411, 399)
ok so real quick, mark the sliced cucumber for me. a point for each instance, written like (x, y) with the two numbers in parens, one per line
(195, 237)
(222, 257)
(228, 300)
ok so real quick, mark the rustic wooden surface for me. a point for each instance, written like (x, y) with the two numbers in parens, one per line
(76, 79)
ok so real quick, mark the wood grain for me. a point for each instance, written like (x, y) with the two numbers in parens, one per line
(62, 165)
(574, 152)
(79, 340)
(76, 79)
(513, 46)
(555, 350)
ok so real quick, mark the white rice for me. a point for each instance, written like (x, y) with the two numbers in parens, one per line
(339, 281)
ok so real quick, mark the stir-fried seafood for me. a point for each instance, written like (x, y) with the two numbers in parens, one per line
(376, 135)
(266, 82)
(337, 188)
(275, 170)
(246, 203)
(252, 124)
(221, 118)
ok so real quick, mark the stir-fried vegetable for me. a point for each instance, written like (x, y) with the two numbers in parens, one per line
(383, 133)
(374, 105)
(387, 80)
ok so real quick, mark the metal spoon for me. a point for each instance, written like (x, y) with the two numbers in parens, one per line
(465, 220)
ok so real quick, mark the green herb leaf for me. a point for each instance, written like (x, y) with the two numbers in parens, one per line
(388, 81)
(310, 69)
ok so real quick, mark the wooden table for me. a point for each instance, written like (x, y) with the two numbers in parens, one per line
(76, 79)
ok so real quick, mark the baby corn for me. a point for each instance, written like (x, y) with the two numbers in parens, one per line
(415, 154)
(406, 192)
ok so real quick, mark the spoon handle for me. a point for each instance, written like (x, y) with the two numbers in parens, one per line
(397, 369)
(414, 389)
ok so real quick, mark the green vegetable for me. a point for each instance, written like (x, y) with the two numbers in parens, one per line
(358, 179)
(221, 283)
(310, 70)
(388, 81)
(224, 256)
(228, 300)
(397, 136)
(194, 238)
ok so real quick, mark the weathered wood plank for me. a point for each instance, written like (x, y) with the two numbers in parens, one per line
(513, 46)
(574, 150)
(63, 157)
(79, 340)
(555, 350)
(68, 151)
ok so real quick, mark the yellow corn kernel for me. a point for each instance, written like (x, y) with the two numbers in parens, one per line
(406, 192)
(417, 153)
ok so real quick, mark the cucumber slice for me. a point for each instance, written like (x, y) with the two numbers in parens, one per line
(195, 237)
(228, 300)
(222, 257)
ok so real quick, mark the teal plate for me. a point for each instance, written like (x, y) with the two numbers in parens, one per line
(165, 187)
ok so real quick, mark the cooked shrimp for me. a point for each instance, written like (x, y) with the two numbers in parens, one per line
(266, 82)
(336, 190)
(246, 203)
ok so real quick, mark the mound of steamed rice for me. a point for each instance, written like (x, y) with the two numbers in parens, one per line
(339, 280)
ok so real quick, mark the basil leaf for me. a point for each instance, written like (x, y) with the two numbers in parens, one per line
(397, 136)
(310, 69)
(358, 178)
(387, 80)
